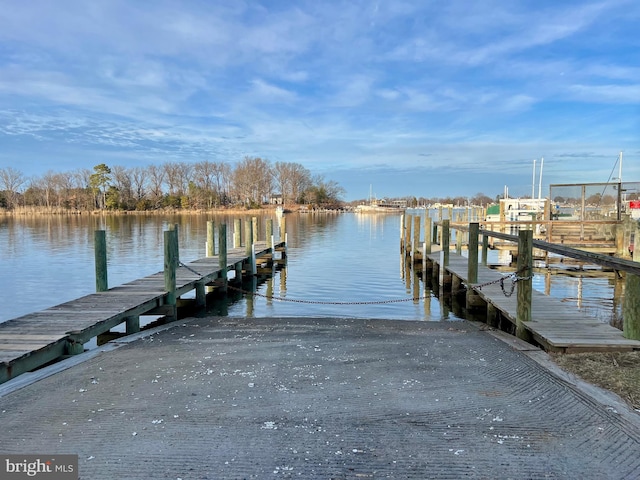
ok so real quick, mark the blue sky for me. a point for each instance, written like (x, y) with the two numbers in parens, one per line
(423, 98)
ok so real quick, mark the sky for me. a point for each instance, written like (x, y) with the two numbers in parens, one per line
(396, 98)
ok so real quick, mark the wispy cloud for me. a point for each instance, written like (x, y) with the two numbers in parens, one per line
(333, 85)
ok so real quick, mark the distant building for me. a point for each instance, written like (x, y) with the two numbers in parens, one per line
(276, 199)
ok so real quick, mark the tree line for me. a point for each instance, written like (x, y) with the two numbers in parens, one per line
(251, 183)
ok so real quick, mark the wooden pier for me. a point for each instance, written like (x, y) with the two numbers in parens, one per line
(531, 315)
(36, 339)
(554, 325)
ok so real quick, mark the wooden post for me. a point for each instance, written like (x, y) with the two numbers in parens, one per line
(472, 266)
(415, 246)
(237, 233)
(248, 236)
(283, 230)
(254, 229)
(459, 239)
(631, 302)
(100, 246)
(201, 296)
(268, 236)
(402, 219)
(485, 249)
(446, 236)
(211, 243)
(222, 254)
(492, 315)
(407, 236)
(175, 227)
(621, 250)
(456, 284)
(132, 324)
(254, 264)
(524, 286)
(428, 239)
(636, 244)
(631, 307)
(170, 265)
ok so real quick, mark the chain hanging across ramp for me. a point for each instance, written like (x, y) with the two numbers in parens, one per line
(320, 302)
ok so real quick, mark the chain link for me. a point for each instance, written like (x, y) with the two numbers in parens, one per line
(190, 269)
(319, 302)
(515, 278)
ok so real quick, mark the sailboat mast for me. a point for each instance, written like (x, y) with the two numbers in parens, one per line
(620, 169)
(540, 184)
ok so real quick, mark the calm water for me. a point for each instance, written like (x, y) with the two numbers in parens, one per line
(333, 259)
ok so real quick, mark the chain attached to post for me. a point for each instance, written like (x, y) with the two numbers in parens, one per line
(515, 278)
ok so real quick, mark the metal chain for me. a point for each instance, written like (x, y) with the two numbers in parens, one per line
(515, 278)
(319, 302)
(190, 269)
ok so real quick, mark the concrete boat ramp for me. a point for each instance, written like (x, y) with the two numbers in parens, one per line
(235, 398)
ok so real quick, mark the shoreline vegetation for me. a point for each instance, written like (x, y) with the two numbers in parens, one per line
(27, 211)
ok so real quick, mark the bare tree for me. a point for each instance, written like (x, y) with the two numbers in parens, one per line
(11, 180)
(224, 178)
(291, 179)
(139, 183)
(63, 185)
(177, 176)
(83, 196)
(122, 181)
(204, 182)
(156, 180)
(252, 181)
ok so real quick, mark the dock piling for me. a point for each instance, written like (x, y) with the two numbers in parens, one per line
(222, 254)
(524, 285)
(485, 249)
(237, 233)
(415, 244)
(211, 245)
(445, 239)
(100, 246)
(473, 300)
(170, 266)
(631, 305)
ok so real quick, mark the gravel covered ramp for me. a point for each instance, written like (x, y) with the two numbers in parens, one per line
(224, 398)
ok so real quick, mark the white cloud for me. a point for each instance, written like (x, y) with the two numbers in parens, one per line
(607, 93)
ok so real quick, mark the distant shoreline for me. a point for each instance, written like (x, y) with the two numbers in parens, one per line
(35, 211)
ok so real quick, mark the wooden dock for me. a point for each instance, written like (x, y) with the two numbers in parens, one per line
(39, 338)
(555, 325)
